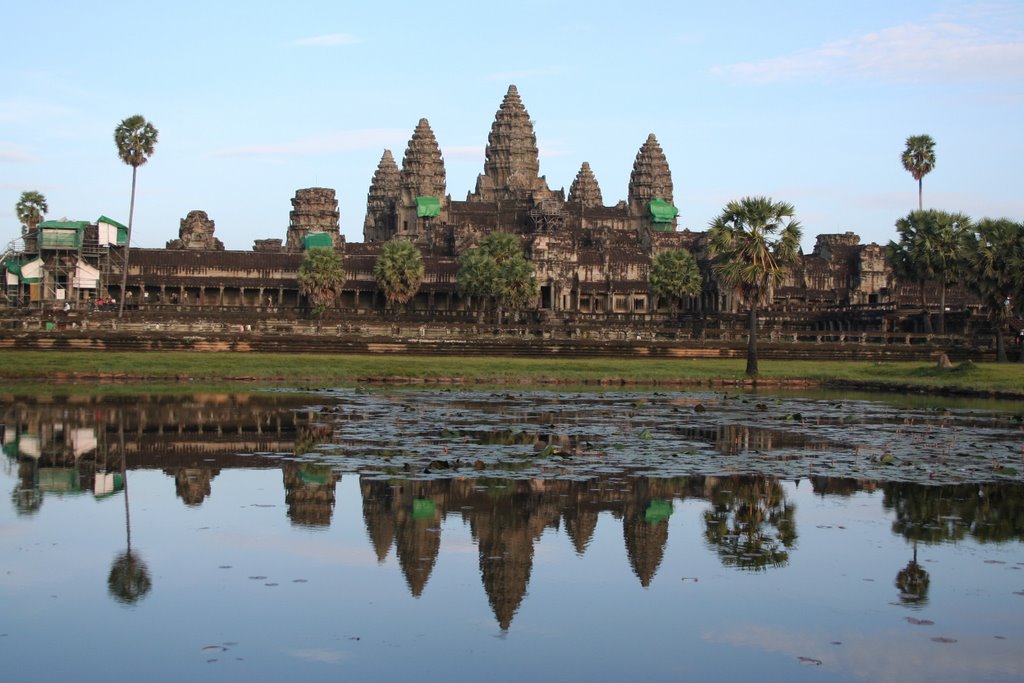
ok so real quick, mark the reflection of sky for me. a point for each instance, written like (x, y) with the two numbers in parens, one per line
(236, 582)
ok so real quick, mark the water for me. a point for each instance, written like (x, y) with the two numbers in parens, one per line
(502, 536)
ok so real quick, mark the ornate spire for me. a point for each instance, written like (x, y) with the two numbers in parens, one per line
(584, 189)
(385, 191)
(512, 163)
(651, 176)
(512, 144)
(422, 167)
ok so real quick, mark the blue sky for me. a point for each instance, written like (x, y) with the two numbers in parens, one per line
(804, 101)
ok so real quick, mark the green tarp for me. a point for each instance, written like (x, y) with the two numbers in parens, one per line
(61, 234)
(662, 211)
(423, 508)
(122, 229)
(13, 267)
(428, 207)
(317, 240)
(657, 511)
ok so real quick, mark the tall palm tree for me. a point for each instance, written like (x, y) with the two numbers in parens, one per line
(399, 271)
(994, 256)
(919, 159)
(30, 209)
(752, 243)
(129, 580)
(135, 139)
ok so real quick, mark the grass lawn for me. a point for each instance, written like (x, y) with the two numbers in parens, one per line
(346, 370)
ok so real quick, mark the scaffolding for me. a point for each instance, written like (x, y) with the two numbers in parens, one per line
(77, 262)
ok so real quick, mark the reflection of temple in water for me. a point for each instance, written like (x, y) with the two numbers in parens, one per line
(75, 444)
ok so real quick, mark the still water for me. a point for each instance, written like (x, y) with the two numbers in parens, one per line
(473, 536)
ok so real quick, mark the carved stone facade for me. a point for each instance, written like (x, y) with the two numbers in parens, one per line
(382, 201)
(196, 233)
(314, 210)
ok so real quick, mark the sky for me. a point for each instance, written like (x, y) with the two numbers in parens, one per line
(807, 102)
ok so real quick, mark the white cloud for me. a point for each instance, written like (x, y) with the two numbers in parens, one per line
(368, 138)
(15, 154)
(329, 39)
(937, 51)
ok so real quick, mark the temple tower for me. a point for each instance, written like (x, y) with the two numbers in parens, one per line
(422, 184)
(314, 212)
(196, 232)
(382, 201)
(650, 187)
(584, 189)
(512, 165)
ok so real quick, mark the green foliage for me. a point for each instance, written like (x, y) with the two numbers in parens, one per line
(752, 243)
(919, 159)
(321, 277)
(399, 271)
(135, 139)
(498, 270)
(30, 209)
(993, 263)
(675, 274)
(930, 247)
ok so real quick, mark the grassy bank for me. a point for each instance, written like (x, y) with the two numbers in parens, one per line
(342, 370)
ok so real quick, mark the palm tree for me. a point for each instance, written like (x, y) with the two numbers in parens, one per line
(30, 209)
(498, 270)
(675, 274)
(930, 248)
(752, 243)
(128, 581)
(135, 139)
(399, 271)
(994, 256)
(919, 159)
(321, 277)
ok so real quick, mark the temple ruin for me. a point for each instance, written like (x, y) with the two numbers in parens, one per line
(592, 260)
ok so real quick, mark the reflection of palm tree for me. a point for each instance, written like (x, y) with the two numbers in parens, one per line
(751, 524)
(129, 580)
(913, 581)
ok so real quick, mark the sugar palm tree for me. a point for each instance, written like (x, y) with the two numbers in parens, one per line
(930, 248)
(752, 244)
(30, 209)
(129, 580)
(321, 277)
(919, 159)
(399, 271)
(499, 271)
(994, 256)
(135, 139)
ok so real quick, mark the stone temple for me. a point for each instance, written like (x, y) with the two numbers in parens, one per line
(592, 260)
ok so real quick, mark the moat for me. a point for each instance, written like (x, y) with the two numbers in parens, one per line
(466, 535)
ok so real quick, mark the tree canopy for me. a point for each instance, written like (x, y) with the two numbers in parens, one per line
(675, 274)
(930, 248)
(498, 270)
(993, 262)
(399, 271)
(30, 209)
(321, 277)
(919, 159)
(752, 244)
(135, 138)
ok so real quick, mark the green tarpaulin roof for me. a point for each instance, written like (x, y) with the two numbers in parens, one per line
(662, 211)
(428, 207)
(111, 221)
(317, 240)
(657, 511)
(13, 266)
(64, 225)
